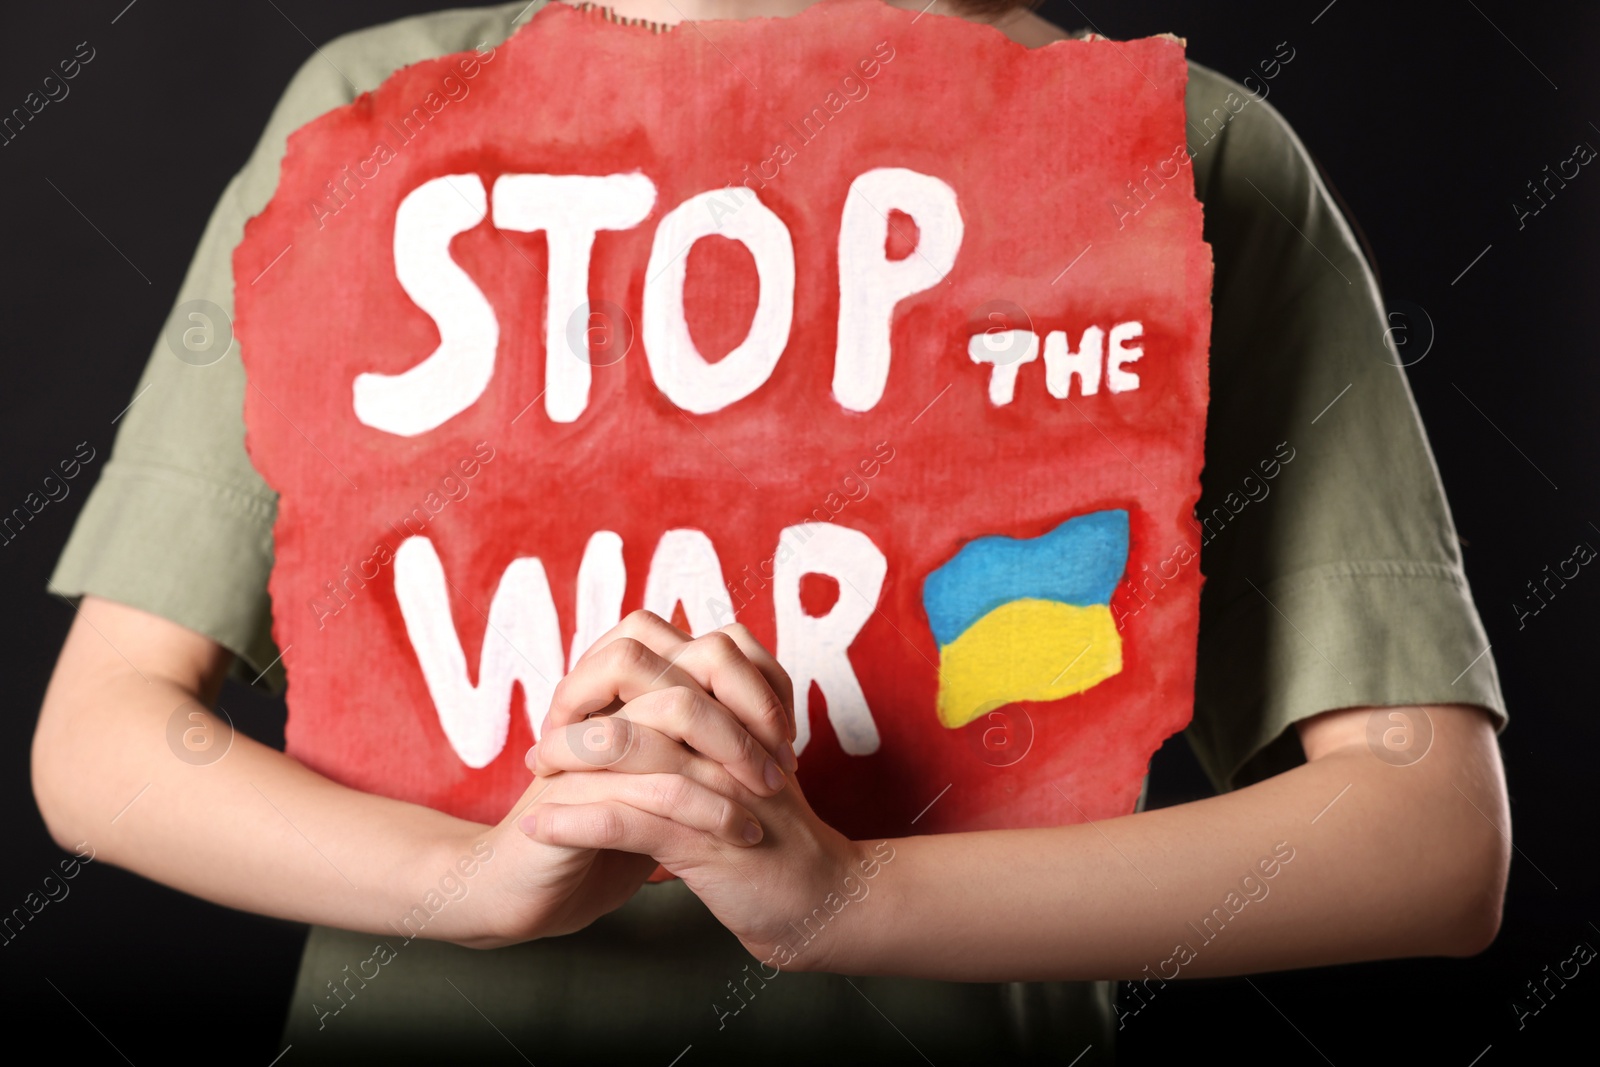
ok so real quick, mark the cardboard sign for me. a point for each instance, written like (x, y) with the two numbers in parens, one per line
(875, 332)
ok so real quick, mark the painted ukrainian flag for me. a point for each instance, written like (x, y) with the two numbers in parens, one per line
(1027, 619)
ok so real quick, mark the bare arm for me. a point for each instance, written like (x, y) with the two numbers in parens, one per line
(1399, 861)
(255, 829)
(1363, 860)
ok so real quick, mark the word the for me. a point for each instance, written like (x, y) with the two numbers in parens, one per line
(1251, 890)
(1008, 350)
(346, 184)
(1581, 155)
(55, 890)
(55, 90)
(1581, 555)
(55, 489)
(810, 928)
(741, 589)
(1582, 953)
(452, 488)
(854, 91)
(452, 887)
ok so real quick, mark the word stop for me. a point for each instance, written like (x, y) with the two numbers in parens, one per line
(571, 210)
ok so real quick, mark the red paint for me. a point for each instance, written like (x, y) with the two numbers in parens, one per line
(1037, 144)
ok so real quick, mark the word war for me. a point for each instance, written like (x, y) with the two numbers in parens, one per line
(522, 639)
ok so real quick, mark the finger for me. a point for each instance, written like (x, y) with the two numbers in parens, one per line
(624, 669)
(765, 662)
(668, 730)
(671, 796)
(721, 666)
(688, 716)
(751, 682)
(602, 825)
(614, 743)
(630, 671)
(619, 825)
(646, 627)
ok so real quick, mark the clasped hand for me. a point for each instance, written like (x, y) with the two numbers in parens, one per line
(662, 748)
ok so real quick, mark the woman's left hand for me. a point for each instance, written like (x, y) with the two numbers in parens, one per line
(802, 869)
(776, 896)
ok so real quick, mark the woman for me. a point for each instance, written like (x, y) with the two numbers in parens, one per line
(991, 947)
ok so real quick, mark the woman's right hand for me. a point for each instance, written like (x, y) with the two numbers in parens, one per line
(255, 829)
(538, 890)
(668, 717)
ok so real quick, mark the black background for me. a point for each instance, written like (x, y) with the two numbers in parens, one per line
(1428, 118)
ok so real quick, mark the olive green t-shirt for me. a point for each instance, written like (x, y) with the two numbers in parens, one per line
(1333, 579)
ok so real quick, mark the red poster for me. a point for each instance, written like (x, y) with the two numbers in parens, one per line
(875, 332)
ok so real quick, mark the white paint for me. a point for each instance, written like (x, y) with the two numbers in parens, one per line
(571, 209)
(450, 379)
(816, 648)
(1119, 354)
(871, 284)
(677, 366)
(1061, 363)
(602, 579)
(1006, 350)
(685, 570)
(522, 638)
(521, 644)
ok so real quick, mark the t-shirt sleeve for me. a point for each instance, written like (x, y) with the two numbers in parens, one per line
(1333, 571)
(180, 523)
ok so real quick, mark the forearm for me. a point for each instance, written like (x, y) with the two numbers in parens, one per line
(1402, 862)
(254, 829)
